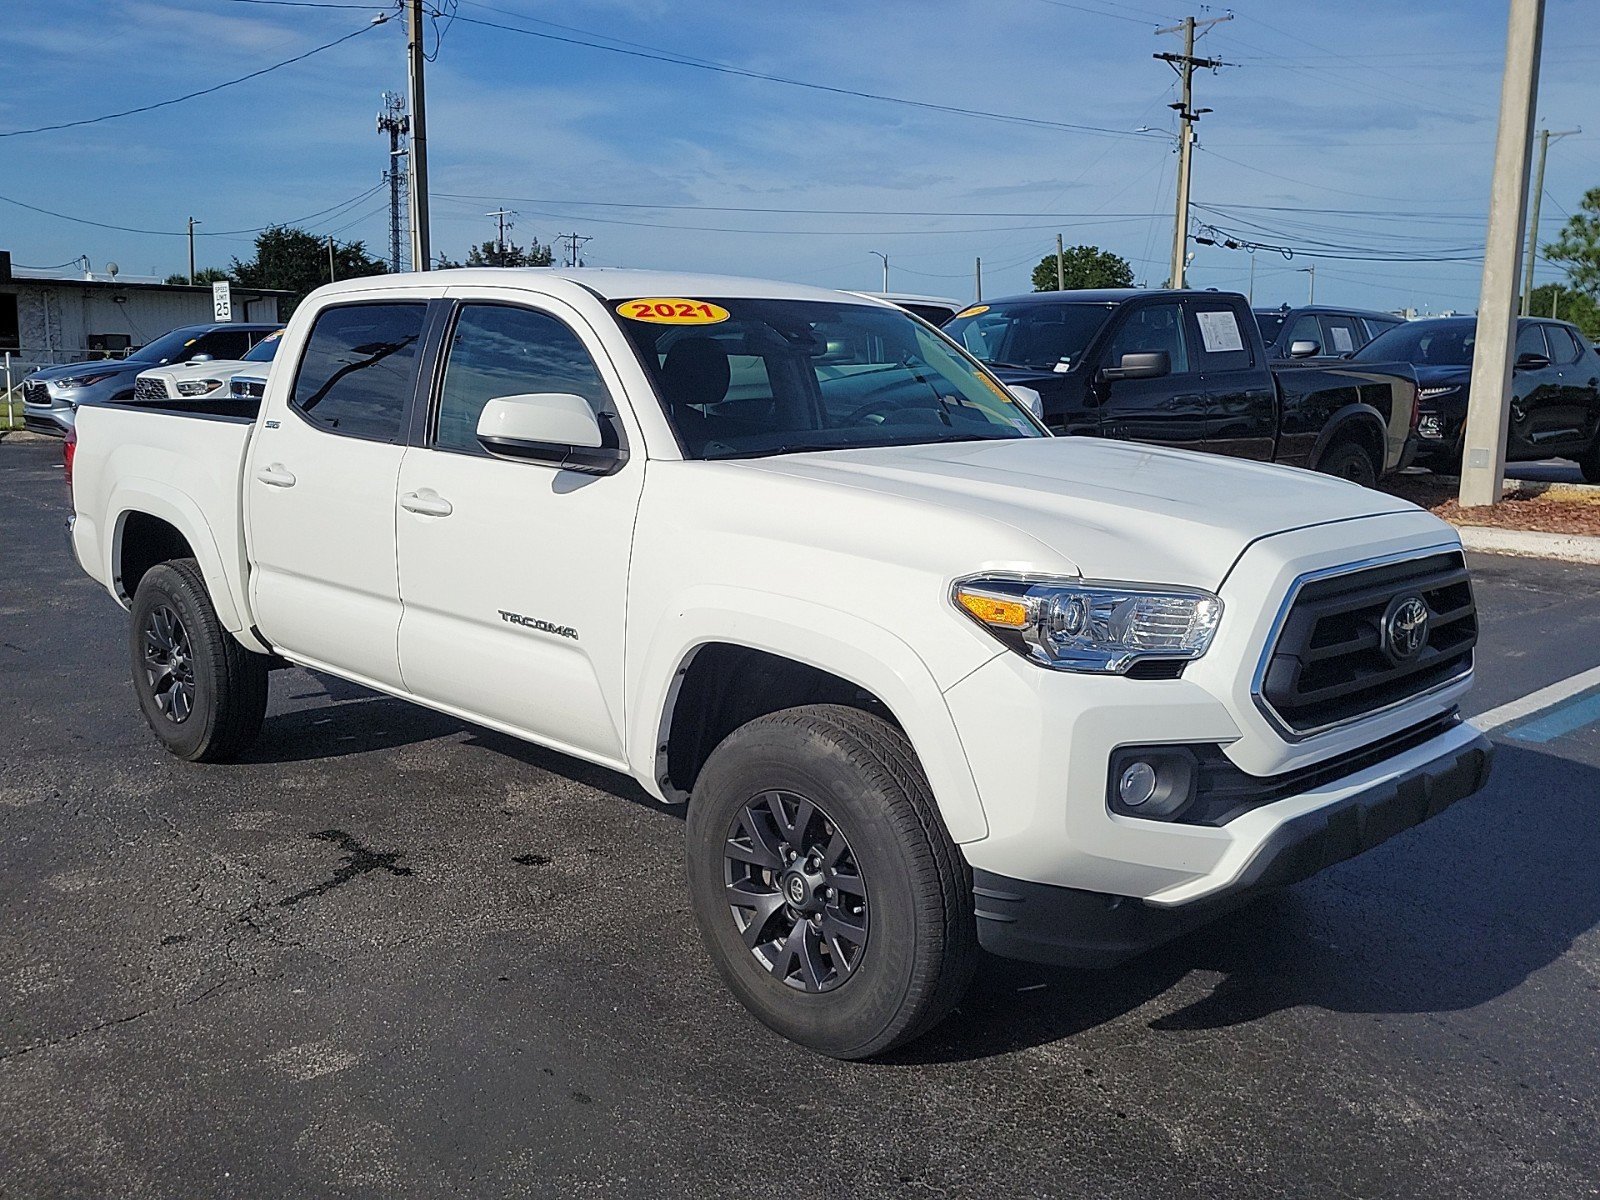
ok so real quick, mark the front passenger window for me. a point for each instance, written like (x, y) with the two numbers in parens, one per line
(1151, 328)
(499, 350)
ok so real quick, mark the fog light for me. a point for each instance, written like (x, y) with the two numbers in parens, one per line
(1138, 784)
(1155, 782)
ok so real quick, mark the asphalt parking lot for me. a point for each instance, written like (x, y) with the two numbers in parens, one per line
(392, 954)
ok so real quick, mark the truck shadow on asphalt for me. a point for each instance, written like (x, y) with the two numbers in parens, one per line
(1443, 918)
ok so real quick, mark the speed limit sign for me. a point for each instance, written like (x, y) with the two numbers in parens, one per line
(222, 300)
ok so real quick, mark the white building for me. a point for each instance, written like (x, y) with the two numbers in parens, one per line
(44, 321)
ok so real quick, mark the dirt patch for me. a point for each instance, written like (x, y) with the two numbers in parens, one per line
(1541, 508)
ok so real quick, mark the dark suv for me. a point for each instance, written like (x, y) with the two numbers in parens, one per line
(51, 395)
(1320, 331)
(1555, 390)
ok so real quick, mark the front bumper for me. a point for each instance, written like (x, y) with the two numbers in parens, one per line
(1073, 927)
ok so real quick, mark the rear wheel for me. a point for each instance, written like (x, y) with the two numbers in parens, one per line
(1349, 460)
(826, 888)
(203, 694)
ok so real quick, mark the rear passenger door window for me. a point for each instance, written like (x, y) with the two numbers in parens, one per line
(500, 350)
(1340, 335)
(1530, 340)
(359, 369)
(1564, 348)
(1219, 338)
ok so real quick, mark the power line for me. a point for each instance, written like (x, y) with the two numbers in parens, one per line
(677, 60)
(742, 208)
(343, 204)
(318, 4)
(144, 108)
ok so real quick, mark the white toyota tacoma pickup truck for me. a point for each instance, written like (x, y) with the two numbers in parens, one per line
(928, 678)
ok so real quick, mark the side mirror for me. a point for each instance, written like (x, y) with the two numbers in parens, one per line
(1531, 362)
(557, 428)
(1029, 398)
(1304, 349)
(1146, 364)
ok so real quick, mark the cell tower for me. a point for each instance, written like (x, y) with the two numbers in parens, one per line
(394, 121)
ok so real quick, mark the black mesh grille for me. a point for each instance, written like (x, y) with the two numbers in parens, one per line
(35, 393)
(149, 389)
(1330, 664)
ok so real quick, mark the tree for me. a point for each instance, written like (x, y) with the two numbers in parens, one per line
(489, 254)
(1567, 304)
(203, 275)
(1084, 267)
(297, 262)
(1578, 247)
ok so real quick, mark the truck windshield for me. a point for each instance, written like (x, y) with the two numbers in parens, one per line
(1424, 344)
(1043, 337)
(748, 377)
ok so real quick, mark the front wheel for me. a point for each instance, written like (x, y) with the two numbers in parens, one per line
(203, 693)
(827, 890)
(1349, 460)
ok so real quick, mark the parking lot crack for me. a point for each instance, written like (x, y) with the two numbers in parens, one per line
(359, 860)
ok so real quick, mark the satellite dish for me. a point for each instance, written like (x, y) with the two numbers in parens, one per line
(112, 269)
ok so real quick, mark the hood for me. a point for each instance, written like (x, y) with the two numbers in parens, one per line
(1440, 376)
(216, 368)
(1114, 510)
(98, 366)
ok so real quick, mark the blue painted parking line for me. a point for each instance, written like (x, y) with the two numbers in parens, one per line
(1566, 717)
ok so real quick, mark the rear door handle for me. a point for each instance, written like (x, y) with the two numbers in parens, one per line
(427, 502)
(276, 475)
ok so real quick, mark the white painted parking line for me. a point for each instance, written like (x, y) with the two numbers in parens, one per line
(1533, 702)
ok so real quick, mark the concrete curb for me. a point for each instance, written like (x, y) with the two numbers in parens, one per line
(1567, 547)
(24, 435)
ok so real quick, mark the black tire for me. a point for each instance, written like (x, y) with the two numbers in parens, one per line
(1347, 459)
(203, 693)
(1589, 464)
(919, 939)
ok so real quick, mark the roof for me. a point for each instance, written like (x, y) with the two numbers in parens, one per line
(609, 283)
(1336, 309)
(118, 285)
(1091, 296)
(910, 298)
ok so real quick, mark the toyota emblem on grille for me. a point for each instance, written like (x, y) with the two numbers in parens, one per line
(1405, 628)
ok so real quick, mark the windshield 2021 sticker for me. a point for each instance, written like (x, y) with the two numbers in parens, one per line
(1219, 331)
(672, 310)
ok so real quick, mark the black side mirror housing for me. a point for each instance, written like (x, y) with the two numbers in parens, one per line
(1144, 364)
(1531, 362)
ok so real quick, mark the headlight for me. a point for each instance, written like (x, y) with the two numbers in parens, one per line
(1433, 393)
(1102, 628)
(198, 387)
(79, 381)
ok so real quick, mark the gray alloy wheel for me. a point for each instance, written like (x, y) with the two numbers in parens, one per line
(169, 663)
(795, 891)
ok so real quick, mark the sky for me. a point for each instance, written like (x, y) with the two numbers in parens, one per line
(1361, 131)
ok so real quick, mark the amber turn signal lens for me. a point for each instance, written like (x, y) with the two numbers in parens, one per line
(997, 611)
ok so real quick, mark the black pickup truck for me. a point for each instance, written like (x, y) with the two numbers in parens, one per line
(1188, 369)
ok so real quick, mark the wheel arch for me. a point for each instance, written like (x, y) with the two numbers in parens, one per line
(854, 662)
(1357, 422)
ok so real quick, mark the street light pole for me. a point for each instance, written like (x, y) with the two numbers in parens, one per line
(1061, 266)
(1545, 138)
(192, 224)
(885, 258)
(1311, 271)
(1489, 409)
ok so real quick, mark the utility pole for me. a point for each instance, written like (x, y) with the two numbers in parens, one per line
(1488, 409)
(332, 274)
(394, 121)
(1311, 273)
(1545, 138)
(421, 250)
(1184, 64)
(500, 215)
(977, 270)
(1061, 266)
(575, 242)
(885, 258)
(192, 224)
(1250, 296)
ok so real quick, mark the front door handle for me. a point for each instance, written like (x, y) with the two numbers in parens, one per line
(427, 502)
(276, 475)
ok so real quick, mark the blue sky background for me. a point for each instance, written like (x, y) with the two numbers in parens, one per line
(1365, 125)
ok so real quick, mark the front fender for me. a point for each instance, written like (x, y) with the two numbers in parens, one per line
(831, 640)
